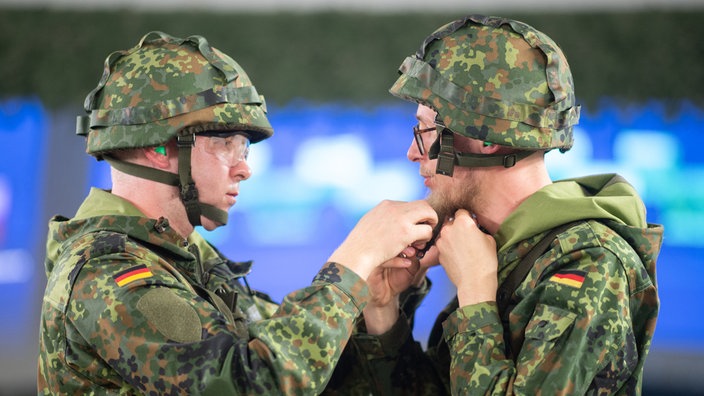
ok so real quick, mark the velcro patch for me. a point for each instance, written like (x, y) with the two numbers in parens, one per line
(569, 278)
(132, 274)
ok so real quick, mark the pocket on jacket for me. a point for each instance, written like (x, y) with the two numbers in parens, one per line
(549, 323)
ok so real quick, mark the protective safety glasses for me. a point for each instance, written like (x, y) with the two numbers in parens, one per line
(228, 147)
(424, 137)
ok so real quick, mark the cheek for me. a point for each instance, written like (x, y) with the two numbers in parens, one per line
(459, 185)
(208, 173)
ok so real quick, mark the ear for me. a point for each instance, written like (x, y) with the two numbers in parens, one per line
(158, 156)
(490, 148)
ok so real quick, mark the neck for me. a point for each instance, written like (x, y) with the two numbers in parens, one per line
(153, 199)
(505, 189)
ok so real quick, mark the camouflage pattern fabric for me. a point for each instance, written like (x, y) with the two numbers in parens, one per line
(149, 93)
(132, 308)
(496, 80)
(166, 89)
(583, 324)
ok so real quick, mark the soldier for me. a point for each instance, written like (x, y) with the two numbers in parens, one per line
(555, 281)
(136, 301)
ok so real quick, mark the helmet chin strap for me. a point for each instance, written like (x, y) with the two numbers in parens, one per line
(187, 187)
(443, 149)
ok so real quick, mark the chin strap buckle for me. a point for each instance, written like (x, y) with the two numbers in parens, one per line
(446, 155)
(509, 160)
(187, 140)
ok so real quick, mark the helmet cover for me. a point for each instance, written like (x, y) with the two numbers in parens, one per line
(496, 80)
(151, 92)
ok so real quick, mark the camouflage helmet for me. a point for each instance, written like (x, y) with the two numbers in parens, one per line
(165, 88)
(496, 80)
(151, 92)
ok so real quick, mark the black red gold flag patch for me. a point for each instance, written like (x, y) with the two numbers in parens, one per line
(569, 278)
(132, 274)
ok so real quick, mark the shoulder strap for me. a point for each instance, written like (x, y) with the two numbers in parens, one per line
(504, 295)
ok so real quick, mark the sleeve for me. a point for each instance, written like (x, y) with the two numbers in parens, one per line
(389, 364)
(159, 336)
(572, 331)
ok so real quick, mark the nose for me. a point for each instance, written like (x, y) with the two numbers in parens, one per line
(413, 154)
(241, 170)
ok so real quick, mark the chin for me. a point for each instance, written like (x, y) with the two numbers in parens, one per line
(210, 225)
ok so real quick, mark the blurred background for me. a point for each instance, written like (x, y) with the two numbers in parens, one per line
(340, 139)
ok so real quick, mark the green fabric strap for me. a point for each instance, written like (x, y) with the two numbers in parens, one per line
(446, 153)
(173, 107)
(485, 160)
(188, 193)
(505, 294)
(213, 213)
(443, 149)
(216, 301)
(142, 171)
(82, 125)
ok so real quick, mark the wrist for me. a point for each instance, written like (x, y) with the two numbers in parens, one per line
(380, 318)
(477, 292)
(469, 297)
(359, 263)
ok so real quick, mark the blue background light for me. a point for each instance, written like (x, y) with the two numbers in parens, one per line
(327, 165)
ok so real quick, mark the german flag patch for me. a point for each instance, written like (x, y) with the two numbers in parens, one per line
(130, 275)
(569, 278)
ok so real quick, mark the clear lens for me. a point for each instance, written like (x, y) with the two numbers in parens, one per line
(231, 149)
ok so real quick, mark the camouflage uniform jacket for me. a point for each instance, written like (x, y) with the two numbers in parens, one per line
(583, 323)
(132, 308)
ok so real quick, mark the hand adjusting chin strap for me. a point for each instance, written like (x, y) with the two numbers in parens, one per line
(187, 187)
(443, 149)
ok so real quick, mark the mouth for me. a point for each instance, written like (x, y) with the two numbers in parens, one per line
(426, 179)
(231, 198)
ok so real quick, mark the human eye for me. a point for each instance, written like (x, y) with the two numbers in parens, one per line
(229, 142)
(245, 153)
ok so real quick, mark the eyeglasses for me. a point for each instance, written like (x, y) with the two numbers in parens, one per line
(229, 148)
(424, 138)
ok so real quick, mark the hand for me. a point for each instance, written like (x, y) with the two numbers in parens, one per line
(469, 258)
(391, 278)
(387, 281)
(394, 276)
(384, 233)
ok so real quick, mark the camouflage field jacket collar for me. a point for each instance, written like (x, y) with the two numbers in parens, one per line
(103, 211)
(605, 197)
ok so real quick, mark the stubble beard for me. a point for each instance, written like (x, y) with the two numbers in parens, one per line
(461, 195)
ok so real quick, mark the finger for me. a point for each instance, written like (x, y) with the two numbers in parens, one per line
(418, 245)
(462, 213)
(421, 233)
(414, 267)
(431, 258)
(462, 216)
(409, 251)
(426, 214)
(397, 262)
